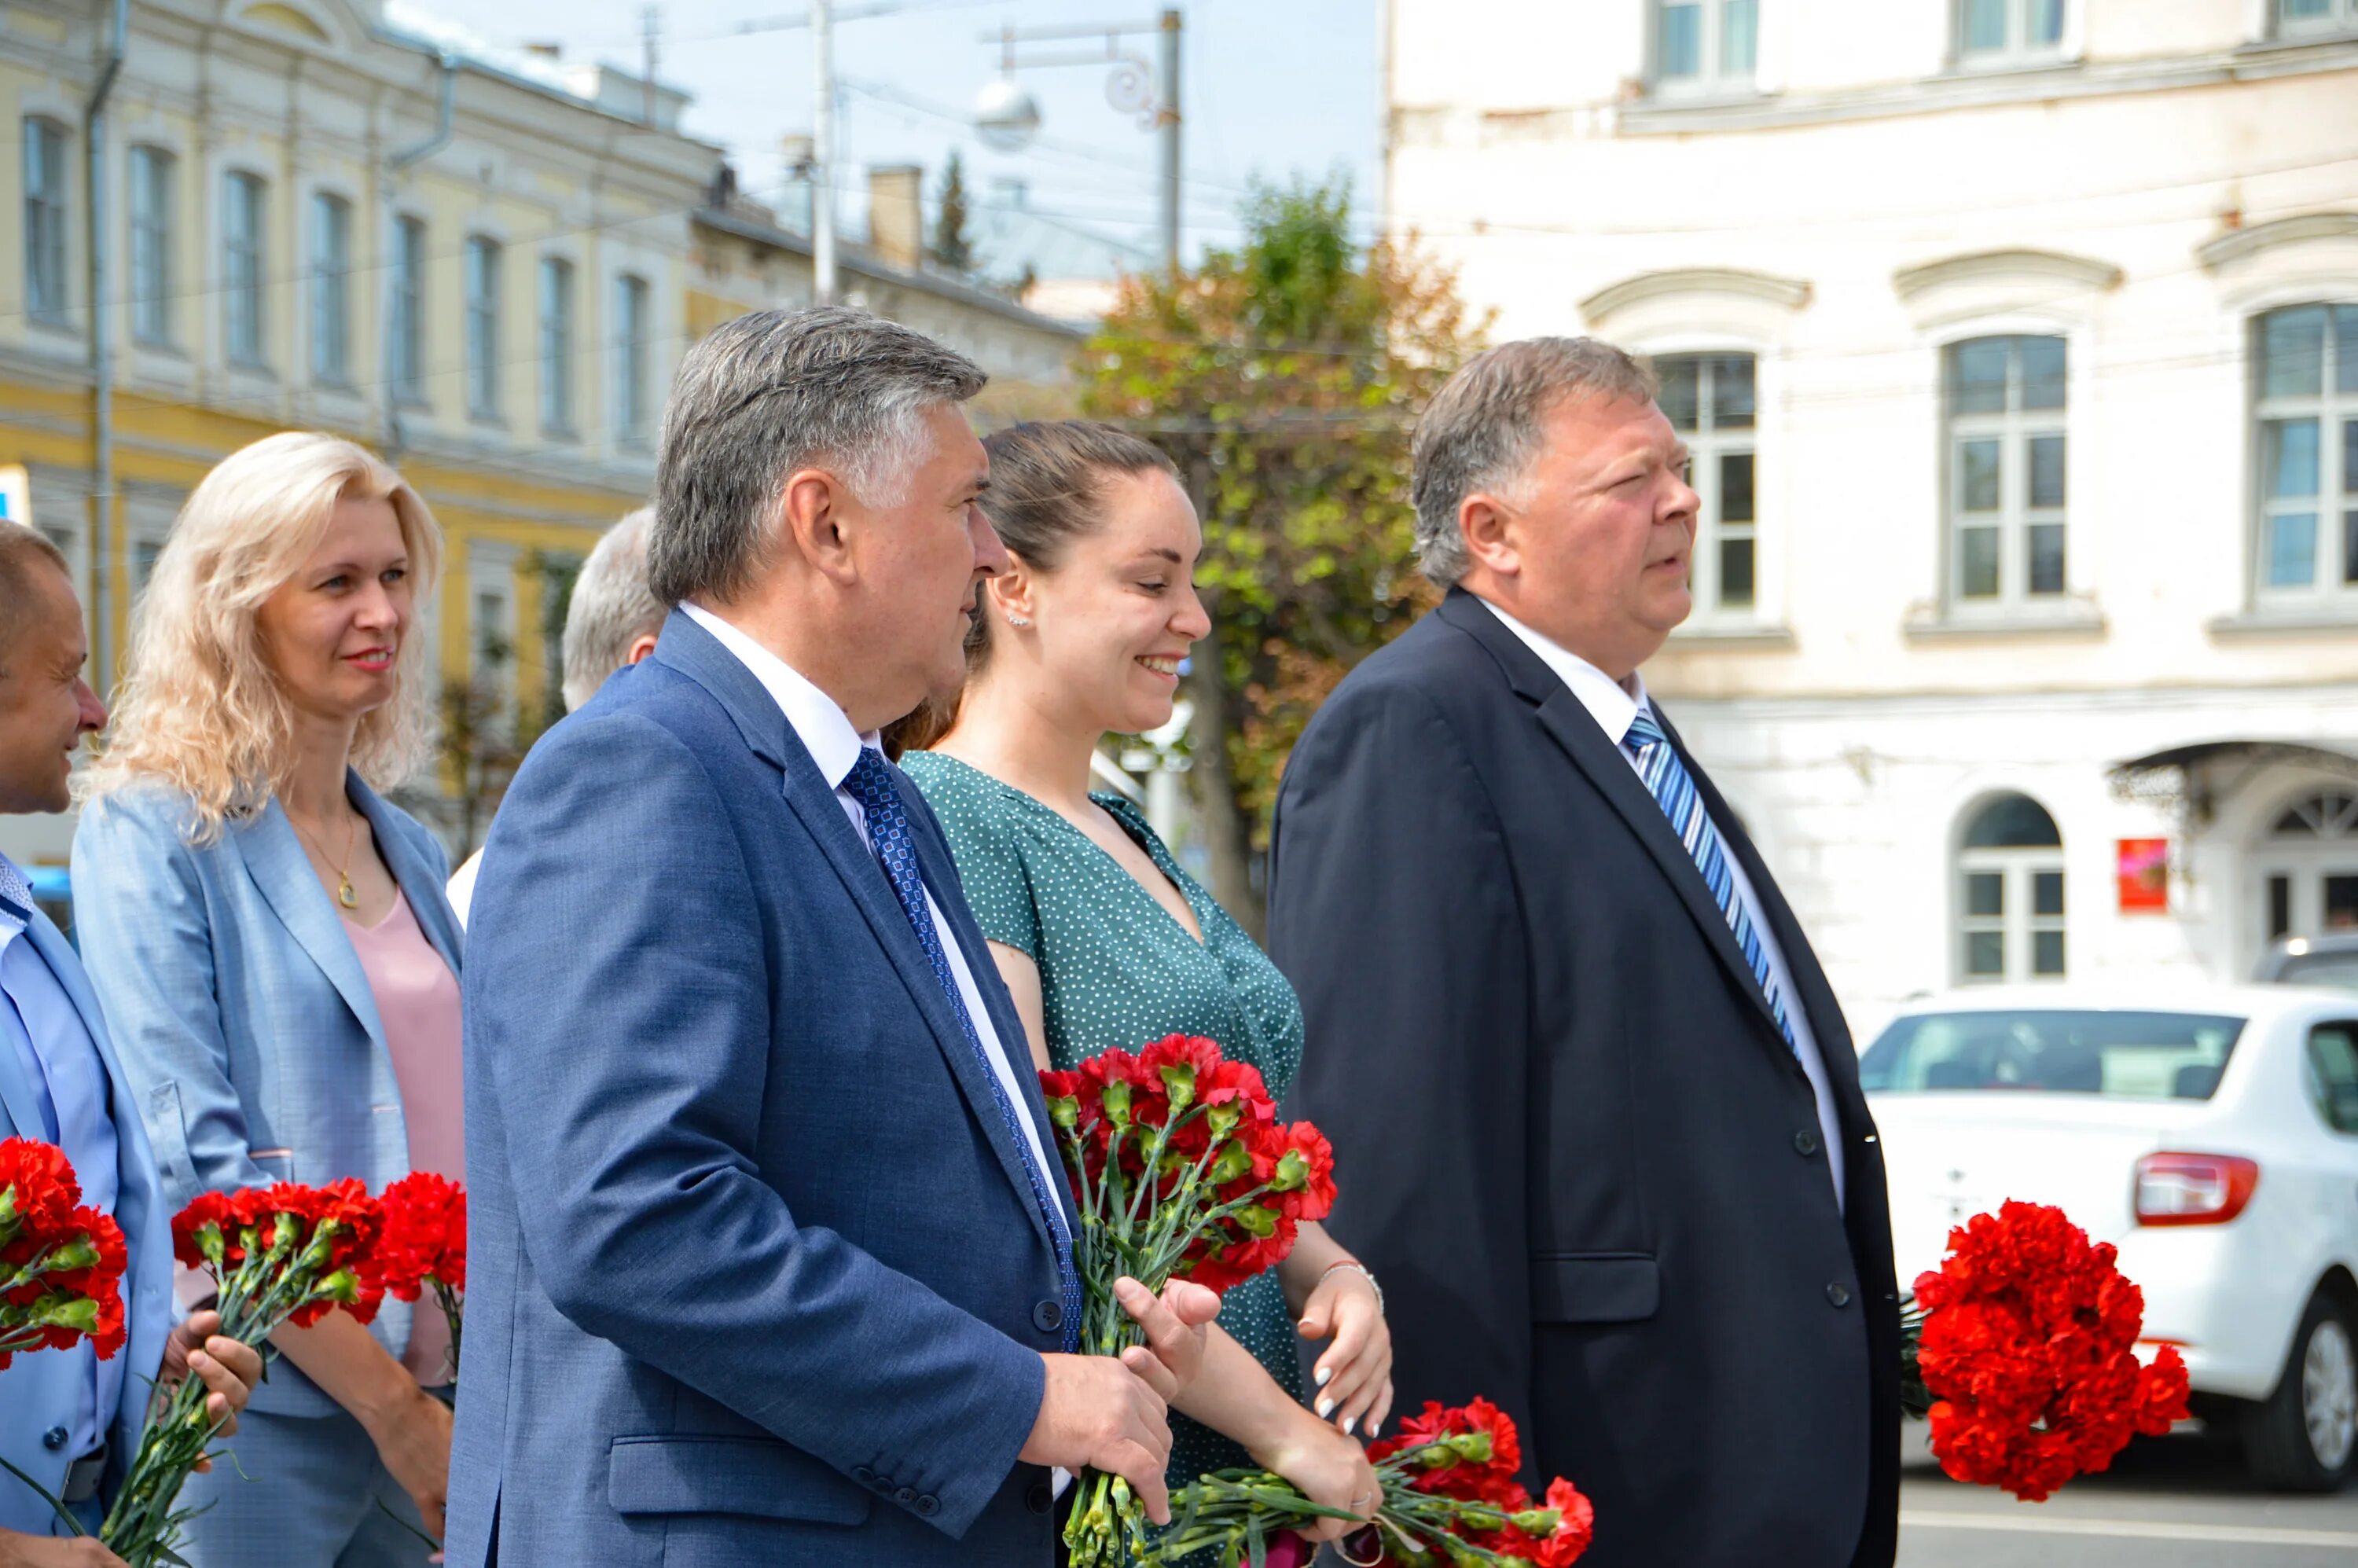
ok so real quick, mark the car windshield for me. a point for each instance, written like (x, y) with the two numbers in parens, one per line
(2121, 1056)
(2319, 969)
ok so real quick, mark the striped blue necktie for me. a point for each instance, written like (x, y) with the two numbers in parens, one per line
(1673, 789)
(870, 783)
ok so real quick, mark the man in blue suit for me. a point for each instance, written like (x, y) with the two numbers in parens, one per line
(67, 1419)
(771, 1256)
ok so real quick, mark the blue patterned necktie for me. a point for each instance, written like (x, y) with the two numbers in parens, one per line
(15, 890)
(870, 783)
(1673, 789)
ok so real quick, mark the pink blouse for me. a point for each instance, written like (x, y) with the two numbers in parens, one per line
(418, 998)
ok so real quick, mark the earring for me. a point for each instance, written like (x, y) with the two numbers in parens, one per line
(1017, 620)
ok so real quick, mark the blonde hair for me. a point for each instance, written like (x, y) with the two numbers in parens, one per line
(199, 709)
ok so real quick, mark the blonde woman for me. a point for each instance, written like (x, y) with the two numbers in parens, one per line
(271, 945)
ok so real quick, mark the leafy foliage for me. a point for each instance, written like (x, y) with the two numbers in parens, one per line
(952, 248)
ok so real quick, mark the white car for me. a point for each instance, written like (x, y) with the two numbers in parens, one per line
(2212, 1136)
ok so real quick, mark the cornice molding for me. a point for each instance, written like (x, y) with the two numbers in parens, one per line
(1786, 293)
(1985, 267)
(2240, 243)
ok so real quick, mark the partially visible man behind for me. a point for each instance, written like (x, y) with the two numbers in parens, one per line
(67, 1419)
(1598, 1106)
(768, 1260)
(612, 620)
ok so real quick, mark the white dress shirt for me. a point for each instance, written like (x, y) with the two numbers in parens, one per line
(825, 731)
(1616, 707)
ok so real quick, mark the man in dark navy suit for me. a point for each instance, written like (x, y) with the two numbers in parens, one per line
(1598, 1110)
(773, 1260)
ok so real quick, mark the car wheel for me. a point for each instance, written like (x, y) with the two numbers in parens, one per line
(2304, 1437)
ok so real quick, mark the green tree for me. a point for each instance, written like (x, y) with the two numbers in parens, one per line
(1284, 377)
(953, 249)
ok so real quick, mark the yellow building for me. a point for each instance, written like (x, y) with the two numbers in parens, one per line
(313, 216)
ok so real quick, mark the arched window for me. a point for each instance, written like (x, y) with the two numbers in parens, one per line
(2010, 894)
(2310, 865)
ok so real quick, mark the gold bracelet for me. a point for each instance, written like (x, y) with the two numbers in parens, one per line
(1353, 1264)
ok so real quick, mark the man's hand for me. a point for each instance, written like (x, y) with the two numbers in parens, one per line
(228, 1367)
(1096, 1413)
(412, 1438)
(59, 1551)
(1175, 1325)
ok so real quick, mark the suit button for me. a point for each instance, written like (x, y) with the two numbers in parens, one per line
(929, 1505)
(1805, 1143)
(54, 1439)
(863, 1475)
(1838, 1293)
(905, 1496)
(1039, 1496)
(1049, 1317)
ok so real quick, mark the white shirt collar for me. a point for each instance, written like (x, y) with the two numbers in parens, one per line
(1613, 706)
(818, 721)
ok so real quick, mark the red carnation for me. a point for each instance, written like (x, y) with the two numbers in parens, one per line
(60, 1263)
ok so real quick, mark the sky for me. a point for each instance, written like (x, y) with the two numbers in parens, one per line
(1269, 89)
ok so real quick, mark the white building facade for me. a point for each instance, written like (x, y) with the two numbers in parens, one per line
(2018, 344)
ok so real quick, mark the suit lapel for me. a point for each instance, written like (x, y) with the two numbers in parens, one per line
(415, 874)
(1574, 730)
(696, 653)
(18, 1095)
(274, 856)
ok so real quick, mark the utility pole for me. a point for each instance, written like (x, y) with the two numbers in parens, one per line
(651, 32)
(822, 22)
(1167, 120)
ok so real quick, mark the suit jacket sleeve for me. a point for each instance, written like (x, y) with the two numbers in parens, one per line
(146, 942)
(1393, 912)
(619, 1008)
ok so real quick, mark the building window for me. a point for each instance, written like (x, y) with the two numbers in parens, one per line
(2010, 894)
(331, 271)
(2009, 32)
(2311, 18)
(409, 309)
(2308, 385)
(151, 245)
(241, 216)
(45, 222)
(1706, 46)
(557, 345)
(631, 358)
(483, 328)
(2005, 407)
(1709, 400)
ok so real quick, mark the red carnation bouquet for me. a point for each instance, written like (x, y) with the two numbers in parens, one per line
(61, 1264)
(1181, 1170)
(2020, 1348)
(280, 1254)
(1450, 1497)
(424, 1245)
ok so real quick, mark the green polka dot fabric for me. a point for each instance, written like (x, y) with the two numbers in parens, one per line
(1116, 968)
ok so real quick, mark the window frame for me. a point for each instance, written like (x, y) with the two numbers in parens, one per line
(2018, 922)
(483, 267)
(406, 376)
(329, 242)
(2018, 50)
(48, 212)
(633, 307)
(245, 338)
(1707, 445)
(151, 194)
(558, 301)
(2341, 19)
(2333, 550)
(1713, 77)
(2016, 428)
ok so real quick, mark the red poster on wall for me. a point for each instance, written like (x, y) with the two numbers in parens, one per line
(2143, 874)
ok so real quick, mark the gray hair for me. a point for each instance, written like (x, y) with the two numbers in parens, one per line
(772, 392)
(20, 546)
(611, 608)
(1482, 430)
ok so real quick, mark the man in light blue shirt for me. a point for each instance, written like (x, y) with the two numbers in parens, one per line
(67, 1419)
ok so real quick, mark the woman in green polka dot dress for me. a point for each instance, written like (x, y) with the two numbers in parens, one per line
(1103, 939)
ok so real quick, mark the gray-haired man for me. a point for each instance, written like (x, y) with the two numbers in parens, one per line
(1598, 1110)
(771, 1262)
(612, 621)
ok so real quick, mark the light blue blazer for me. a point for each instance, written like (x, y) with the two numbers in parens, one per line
(38, 1396)
(245, 1021)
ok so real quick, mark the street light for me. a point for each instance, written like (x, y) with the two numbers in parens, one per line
(1007, 117)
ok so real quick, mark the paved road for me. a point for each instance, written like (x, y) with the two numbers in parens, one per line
(2181, 1502)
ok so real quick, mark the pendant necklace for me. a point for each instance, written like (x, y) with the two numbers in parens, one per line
(345, 894)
